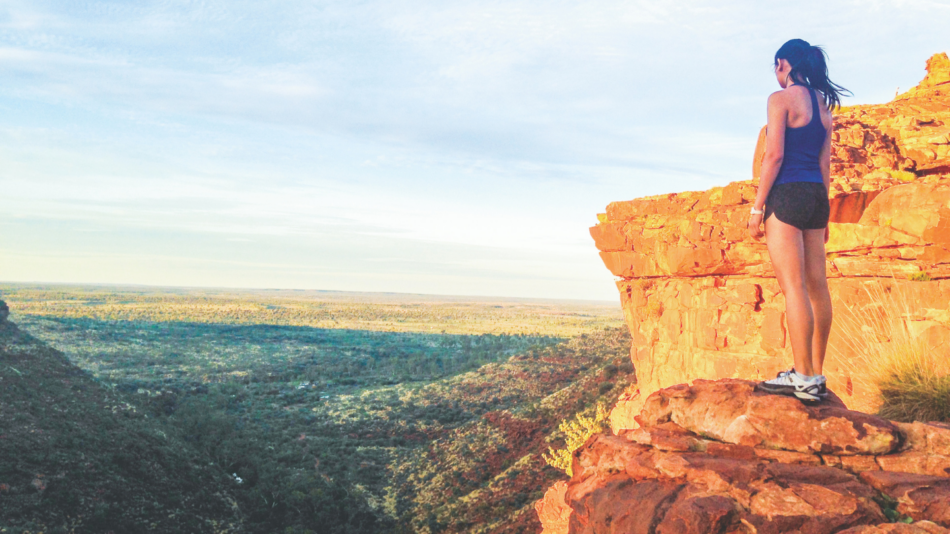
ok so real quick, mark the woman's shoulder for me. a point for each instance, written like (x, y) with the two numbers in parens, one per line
(791, 92)
(780, 98)
(796, 95)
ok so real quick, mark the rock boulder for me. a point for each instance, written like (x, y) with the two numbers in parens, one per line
(732, 411)
(716, 456)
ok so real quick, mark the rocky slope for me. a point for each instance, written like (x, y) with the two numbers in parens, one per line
(700, 297)
(718, 457)
(76, 457)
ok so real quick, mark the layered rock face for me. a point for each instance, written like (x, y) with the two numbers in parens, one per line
(699, 294)
(719, 457)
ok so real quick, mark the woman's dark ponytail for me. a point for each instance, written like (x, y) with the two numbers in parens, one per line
(809, 67)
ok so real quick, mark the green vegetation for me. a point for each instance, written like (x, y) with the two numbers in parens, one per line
(577, 432)
(311, 429)
(889, 507)
(922, 276)
(164, 358)
(78, 457)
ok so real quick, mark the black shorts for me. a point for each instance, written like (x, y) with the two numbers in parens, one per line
(803, 205)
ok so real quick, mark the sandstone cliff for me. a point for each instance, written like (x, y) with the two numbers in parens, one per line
(702, 303)
(718, 457)
(700, 297)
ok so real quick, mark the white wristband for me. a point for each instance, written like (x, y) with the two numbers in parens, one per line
(754, 211)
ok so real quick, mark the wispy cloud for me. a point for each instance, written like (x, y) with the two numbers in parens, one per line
(448, 135)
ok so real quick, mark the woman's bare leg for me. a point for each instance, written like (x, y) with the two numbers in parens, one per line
(787, 252)
(817, 283)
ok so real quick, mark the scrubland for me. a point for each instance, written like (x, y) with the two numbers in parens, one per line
(411, 414)
(378, 312)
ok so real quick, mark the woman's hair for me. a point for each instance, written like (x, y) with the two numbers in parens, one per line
(810, 68)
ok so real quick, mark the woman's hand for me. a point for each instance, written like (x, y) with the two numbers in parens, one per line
(755, 226)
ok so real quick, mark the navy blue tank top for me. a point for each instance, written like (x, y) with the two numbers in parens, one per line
(802, 147)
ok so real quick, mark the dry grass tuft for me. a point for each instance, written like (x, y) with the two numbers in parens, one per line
(913, 390)
(909, 377)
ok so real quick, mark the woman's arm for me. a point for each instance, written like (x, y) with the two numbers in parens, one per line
(759, 154)
(772, 161)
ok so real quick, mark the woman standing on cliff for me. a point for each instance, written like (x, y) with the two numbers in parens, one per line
(793, 190)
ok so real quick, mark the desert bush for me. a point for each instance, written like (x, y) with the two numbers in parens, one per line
(577, 432)
(909, 377)
(904, 176)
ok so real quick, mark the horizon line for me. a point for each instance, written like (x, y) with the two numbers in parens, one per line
(302, 290)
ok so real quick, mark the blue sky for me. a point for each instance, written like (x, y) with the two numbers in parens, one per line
(431, 147)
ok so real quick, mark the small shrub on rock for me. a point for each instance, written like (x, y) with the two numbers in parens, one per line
(577, 432)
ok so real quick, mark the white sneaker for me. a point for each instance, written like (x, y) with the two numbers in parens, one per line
(790, 383)
(823, 390)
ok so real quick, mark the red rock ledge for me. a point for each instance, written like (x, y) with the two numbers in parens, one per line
(719, 457)
(701, 299)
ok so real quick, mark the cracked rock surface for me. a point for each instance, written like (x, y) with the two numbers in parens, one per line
(720, 457)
